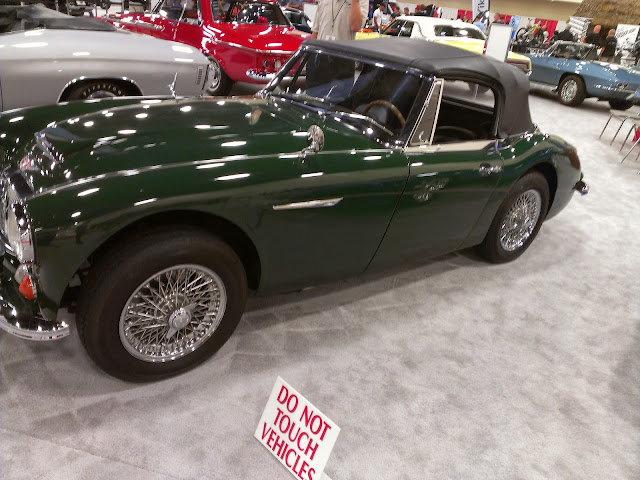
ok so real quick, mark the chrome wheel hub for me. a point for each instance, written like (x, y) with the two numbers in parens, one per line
(180, 318)
(172, 313)
(569, 91)
(215, 75)
(520, 220)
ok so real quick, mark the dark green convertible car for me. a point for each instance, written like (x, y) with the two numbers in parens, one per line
(152, 218)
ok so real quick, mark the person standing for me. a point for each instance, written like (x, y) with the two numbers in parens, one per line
(594, 37)
(377, 18)
(609, 51)
(395, 11)
(406, 11)
(339, 19)
(566, 34)
(497, 18)
(479, 23)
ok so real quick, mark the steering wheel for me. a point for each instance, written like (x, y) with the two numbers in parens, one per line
(461, 131)
(388, 105)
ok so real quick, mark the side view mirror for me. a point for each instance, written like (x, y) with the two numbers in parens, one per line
(315, 137)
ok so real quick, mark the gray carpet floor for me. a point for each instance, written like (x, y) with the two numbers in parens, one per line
(450, 368)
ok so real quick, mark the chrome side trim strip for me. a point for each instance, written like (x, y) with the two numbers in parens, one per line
(467, 146)
(330, 202)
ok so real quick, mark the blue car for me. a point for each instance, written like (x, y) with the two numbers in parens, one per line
(574, 70)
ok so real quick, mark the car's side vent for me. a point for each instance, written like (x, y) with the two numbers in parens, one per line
(199, 75)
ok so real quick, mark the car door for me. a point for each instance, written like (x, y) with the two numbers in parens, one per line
(452, 174)
(329, 211)
(189, 25)
(549, 69)
(161, 22)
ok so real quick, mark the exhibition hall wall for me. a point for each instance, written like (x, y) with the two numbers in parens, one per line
(523, 8)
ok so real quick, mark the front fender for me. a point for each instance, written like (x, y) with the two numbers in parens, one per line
(74, 221)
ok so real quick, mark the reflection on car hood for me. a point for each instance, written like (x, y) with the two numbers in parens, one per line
(154, 133)
(89, 46)
(477, 46)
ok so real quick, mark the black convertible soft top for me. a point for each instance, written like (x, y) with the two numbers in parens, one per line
(443, 60)
(16, 18)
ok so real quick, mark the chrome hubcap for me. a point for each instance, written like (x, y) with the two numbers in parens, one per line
(520, 220)
(172, 313)
(569, 90)
(101, 94)
(216, 75)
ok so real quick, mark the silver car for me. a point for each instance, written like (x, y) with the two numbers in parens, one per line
(65, 61)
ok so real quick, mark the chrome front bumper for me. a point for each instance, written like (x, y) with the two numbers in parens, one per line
(19, 316)
(29, 327)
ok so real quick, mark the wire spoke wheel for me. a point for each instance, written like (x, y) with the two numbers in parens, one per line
(520, 220)
(172, 313)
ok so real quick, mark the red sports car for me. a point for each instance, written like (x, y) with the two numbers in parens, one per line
(246, 41)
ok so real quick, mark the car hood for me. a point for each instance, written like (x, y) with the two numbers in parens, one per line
(84, 46)
(261, 37)
(477, 46)
(156, 133)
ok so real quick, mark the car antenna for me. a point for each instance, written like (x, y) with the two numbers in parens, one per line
(172, 86)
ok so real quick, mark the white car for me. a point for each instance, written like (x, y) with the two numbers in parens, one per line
(452, 32)
(47, 57)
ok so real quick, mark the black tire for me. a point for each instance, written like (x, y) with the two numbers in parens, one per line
(620, 104)
(120, 273)
(572, 91)
(492, 248)
(219, 82)
(97, 89)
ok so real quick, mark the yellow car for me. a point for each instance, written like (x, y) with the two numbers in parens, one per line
(452, 32)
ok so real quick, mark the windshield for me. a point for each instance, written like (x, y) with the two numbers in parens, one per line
(455, 31)
(365, 94)
(574, 51)
(257, 13)
(398, 28)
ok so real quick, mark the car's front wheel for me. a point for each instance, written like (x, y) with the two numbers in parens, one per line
(572, 91)
(219, 82)
(518, 219)
(159, 304)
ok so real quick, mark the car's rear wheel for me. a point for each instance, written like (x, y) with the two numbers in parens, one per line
(518, 219)
(572, 91)
(219, 81)
(97, 89)
(620, 104)
(159, 304)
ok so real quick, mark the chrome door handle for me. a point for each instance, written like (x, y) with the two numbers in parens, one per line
(485, 169)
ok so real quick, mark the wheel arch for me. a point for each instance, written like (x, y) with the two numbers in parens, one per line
(128, 84)
(572, 74)
(549, 173)
(234, 236)
(230, 233)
